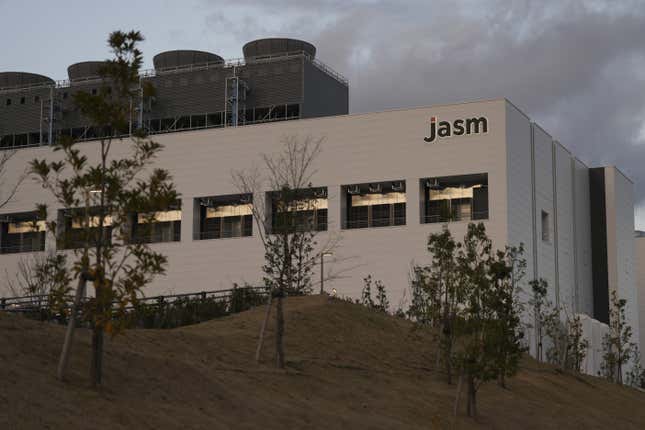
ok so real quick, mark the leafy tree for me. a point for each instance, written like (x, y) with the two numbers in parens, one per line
(618, 347)
(556, 332)
(422, 309)
(473, 295)
(381, 303)
(577, 345)
(476, 356)
(566, 345)
(286, 226)
(366, 292)
(443, 292)
(489, 345)
(101, 192)
(636, 375)
(507, 269)
(539, 305)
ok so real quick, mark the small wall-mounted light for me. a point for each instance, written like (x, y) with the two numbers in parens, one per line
(433, 184)
(320, 193)
(354, 189)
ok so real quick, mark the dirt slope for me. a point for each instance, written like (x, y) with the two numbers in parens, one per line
(347, 368)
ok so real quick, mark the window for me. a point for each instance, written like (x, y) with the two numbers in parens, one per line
(21, 140)
(22, 100)
(224, 217)
(154, 125)
(36, 99)
(182, 122)
(8, 102)
(293, 111)
(22, 232)
(197, 121)
(545, 226)
(93, 91)
(34, 138)
(306, 209)
(159, 226)
(380, 204)
(214, 119)
(454, 198)
(279, 112)
(167, 124)
(77, 230)
(6, 141)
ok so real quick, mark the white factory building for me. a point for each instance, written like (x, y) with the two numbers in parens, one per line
(386, 180)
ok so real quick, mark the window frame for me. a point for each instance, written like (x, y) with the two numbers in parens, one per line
(449, 210)
(215, 227)
(382, 204)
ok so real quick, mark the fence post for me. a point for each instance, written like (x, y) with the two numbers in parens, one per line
(3, 303)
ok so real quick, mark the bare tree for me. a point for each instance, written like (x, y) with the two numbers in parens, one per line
(44, 279)
(8, 191)
(287, 225)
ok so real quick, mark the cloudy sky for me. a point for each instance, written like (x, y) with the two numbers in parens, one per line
(575, 67)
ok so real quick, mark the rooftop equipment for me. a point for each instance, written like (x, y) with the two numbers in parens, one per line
(22, 79)
(84, 70)
(183, 58)
(277, 46)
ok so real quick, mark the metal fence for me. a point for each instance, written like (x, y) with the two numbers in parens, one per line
(164, 311)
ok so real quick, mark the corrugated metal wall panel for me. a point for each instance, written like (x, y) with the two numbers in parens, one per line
(323, 95)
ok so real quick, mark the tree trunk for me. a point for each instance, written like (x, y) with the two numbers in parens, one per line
(279, 333)
(438, 356)
(71, 325)
(501, 380)
(96, 368)
(448, 361)
(458, 397)
(538, 340)
(472, 397)
(258, 350)
(446, 346)
(96, 371)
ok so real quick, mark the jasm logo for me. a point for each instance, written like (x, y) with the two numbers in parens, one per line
(459, 127)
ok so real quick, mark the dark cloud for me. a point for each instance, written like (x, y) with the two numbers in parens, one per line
(577, 68)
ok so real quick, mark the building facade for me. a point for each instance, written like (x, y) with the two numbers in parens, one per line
(384, 181)
(640, 282)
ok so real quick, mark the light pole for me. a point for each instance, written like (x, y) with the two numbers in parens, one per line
(322, 269)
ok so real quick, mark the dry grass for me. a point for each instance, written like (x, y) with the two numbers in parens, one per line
(347, 368)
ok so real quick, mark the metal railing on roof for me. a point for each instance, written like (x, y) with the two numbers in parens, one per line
(149, 73)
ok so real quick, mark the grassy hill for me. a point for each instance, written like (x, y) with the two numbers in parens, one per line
(347, 367)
